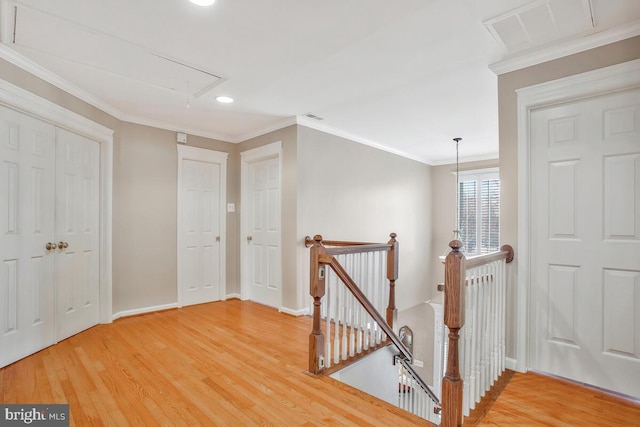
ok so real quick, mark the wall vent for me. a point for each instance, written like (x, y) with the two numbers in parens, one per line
(313, 116)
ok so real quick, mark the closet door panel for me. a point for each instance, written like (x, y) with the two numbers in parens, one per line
(27, 176)
(77, 232)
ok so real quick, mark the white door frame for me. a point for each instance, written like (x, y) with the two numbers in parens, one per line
(246, 158)
(21, 100)
(585, 85)
(207, 156)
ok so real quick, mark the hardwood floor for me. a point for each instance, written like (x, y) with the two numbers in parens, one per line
(237, 363)
(230, 363)
(533, 399)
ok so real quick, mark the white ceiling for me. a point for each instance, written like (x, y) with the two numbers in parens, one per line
(406, 76)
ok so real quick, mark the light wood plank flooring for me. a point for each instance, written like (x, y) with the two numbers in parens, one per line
(532, 399)
(237, 363)
(227, 363)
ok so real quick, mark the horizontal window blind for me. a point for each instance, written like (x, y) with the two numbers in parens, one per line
(479, 213)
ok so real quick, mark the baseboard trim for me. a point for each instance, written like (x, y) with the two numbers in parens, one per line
(297, 313)
(144, 310)
(233, 296)
(511, 364)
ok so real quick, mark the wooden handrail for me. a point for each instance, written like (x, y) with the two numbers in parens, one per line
(505, 252)
(369, 247)
(407, 365)
(308, 242)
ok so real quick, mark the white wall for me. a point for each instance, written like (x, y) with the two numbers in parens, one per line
(383, 385)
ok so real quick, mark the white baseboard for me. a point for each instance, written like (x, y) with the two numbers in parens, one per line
(301, 312)
(126, 313)
(511, 363)
(233, 296)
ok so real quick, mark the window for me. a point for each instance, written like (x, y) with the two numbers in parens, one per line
(479, 211)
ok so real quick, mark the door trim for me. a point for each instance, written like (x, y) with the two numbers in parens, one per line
(207, 156)
(24, 101)
(586, 85)
(247, 157)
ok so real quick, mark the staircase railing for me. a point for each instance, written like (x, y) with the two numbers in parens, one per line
(349, 293)
(474, 309)
(353, 326)
(415, 396)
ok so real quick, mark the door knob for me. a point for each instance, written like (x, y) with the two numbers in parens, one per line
(63, 245)
(50, 246)
(249, 238)
(217, 238)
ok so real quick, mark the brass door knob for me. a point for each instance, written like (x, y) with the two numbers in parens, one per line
(50, 246)
(249, 238)
(63, 245)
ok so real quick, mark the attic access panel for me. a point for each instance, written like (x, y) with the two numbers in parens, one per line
(38, 33)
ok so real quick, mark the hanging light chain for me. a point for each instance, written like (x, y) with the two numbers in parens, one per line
(457, 230)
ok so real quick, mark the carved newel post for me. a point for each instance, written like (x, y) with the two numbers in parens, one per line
(454, 283)
(392, 276)
(317, 290)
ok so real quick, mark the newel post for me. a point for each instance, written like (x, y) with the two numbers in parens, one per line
(392, 276)
(454, 282)
(317, 290)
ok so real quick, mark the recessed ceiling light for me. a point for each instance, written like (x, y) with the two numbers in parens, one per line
(203, 2)
(224, 99)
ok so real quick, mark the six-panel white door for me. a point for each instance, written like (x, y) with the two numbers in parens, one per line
(77, 233)
(585, 254)
(49, 242)
(27, 186)
(264, 232)
(200, 237)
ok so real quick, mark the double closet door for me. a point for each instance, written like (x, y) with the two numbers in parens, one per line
(49, 234)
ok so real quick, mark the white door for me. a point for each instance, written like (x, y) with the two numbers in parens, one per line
(201, 204)
(77, 233)
(263, 238)
(27, 177)
(585, 254)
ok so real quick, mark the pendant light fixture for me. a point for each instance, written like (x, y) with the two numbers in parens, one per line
(456, 231)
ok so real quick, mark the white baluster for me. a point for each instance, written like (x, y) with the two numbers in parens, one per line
(327, 321)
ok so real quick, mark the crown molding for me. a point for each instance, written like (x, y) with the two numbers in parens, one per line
(175, 127)
(569, 47)
(478, 158)
(286, 122)
(28, 65)
(314, 124)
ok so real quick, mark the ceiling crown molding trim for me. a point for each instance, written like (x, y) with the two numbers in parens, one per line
(29, 66)
(175, 128)
(22, 100)
(289, 121)
(569, 47)
(314, 124)
(478, 158)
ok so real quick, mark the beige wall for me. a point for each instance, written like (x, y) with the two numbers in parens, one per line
(145, 216)
(349, 191)
(508, 83)
(144, 199)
